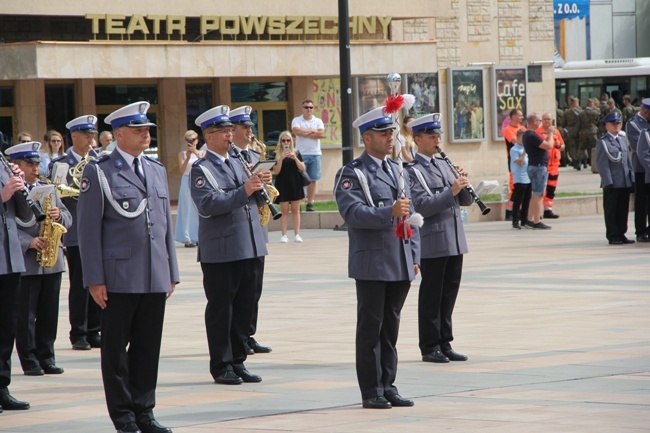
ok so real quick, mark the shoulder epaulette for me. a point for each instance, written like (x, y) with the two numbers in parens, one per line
(154, 160)
(197, 162)
(99, 159)
(58, 158)
(356, 163)
(412, 163)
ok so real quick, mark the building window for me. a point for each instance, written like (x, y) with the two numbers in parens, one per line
(199, 100)
(59, 109)
(258, 92)
(7, 96)
(124, 94)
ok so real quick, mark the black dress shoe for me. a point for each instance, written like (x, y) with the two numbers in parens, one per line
(435, 356)
(398, 401)
(153, 426)
(36, 371)
(130, 427)
(257, 347)
(643, 238)
(627, 241)
(548, 214)
(53, 369)
(616, 242)
(454, 356)
(248, 349)
(95, 341)
(377, 403)
(9, 403)
(228, 377)
(247, 376)
(81, 344)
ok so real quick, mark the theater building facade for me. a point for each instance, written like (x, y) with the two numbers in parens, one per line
(471, 60)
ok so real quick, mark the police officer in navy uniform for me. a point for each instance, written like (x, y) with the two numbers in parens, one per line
(40, 286)
(11, 265)
(634, 128)
(129, 264)
(437, 196)
(243, 140)
(616, 178)
(231, 242)
(83, 312)
(383, 265)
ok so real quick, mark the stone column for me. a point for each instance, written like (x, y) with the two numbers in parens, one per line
(30, 107)
(172, 124)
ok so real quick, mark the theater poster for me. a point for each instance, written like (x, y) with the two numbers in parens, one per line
(327, 100)
(424, 87)
(509, 87)
(466, 99)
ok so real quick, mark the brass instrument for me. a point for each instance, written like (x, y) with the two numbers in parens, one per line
(270, 208)
(265, 211)
(51, 231)
(76, 173)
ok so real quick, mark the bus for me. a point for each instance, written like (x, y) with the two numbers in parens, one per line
(591, 78)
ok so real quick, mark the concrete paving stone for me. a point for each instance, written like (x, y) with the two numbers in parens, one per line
(554, 322)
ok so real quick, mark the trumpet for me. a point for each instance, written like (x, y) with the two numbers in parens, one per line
(35, 207)
(262, 193)
(484, 209)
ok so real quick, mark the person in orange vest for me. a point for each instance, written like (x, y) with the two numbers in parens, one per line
(510, 136)
(555, 155)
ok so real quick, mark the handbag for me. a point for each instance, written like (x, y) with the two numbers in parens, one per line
(304, 178)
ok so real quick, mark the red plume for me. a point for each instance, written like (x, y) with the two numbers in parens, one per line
(394, 103)
(399, 230)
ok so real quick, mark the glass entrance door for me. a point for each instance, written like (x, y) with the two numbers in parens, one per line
(269, 124)
(7, 131)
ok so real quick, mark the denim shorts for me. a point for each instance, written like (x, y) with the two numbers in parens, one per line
(312, 163)
(538, 177)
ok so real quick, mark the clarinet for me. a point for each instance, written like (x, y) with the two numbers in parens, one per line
(276, 214)
(35, 207)
(484, 209)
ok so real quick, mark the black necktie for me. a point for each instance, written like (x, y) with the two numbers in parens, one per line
(247, 156)
(384, 165)
(138, 170)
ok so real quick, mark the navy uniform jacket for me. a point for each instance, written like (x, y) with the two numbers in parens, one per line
(618, 174)
(442, 234)
(633, 129)
(375, 252)
(11, 259)
(70, 239)
(128, 255)
(229, 223)
(27, 233)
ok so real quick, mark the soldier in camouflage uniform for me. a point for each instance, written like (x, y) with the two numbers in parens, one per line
(571, 115)
(588, 122)
(628, 111)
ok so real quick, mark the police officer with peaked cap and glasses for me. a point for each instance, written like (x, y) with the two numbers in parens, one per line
(616, 178)
(40, 285)
(243, 140)
(231, 242)
(129, 264)
(82, 310)
(635, 129)
(13, 263)
(437, 196)
(383, 265)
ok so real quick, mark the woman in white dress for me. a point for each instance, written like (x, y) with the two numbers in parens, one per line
(187, 217)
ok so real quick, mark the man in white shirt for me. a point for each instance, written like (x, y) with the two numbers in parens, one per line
(308, 130)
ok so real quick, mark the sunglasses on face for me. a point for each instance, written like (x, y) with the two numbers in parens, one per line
(285, 140)
(308, 108)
